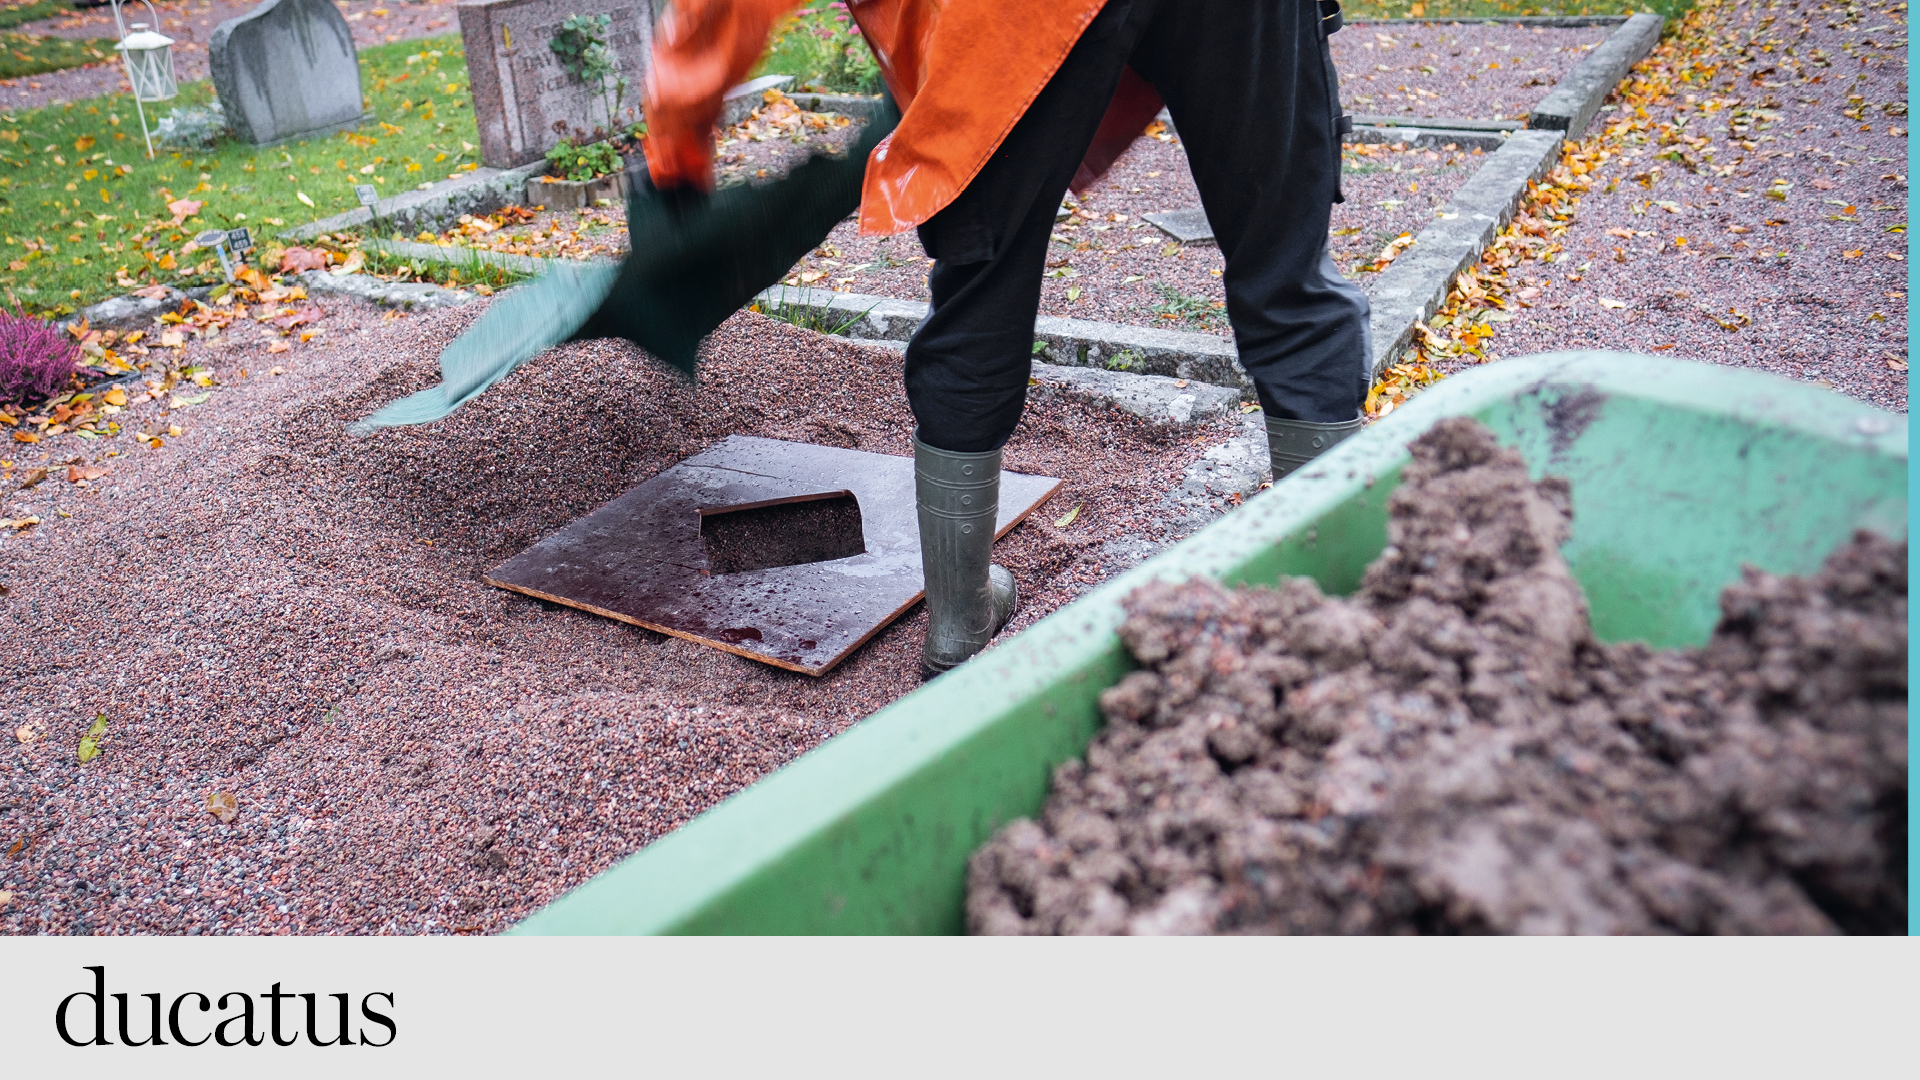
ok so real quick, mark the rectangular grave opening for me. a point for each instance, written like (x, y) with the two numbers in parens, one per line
(782, 532)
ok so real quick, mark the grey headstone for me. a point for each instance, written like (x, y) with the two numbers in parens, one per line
(1189, 226)
(520, 90)
(286, 70)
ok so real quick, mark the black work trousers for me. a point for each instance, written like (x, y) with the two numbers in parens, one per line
(1251, 89)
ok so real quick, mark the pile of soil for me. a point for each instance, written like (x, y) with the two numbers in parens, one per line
(1451, 750)
(264, 608)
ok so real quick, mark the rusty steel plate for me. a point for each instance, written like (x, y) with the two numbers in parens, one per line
(643, 558)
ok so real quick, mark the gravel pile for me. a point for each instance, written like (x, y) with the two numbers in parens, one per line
(1757, 216)
(1451, 751)
(265, 608)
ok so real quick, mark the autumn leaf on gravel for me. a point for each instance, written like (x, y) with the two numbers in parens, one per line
(1069, 518)
(115, 397)
(298, 318)
(183, 402)
(223, 805)
(173, 339)
(30, 731)
(77, 473)
(32, 478)
(182, 209)
(279, 347)
(297, 259)
(90, 742)
(19, 523)
(1624, 234)
(1605, 303)
(1852, 254)
(25, 436)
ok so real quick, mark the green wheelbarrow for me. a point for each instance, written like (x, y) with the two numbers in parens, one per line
(1681, 472)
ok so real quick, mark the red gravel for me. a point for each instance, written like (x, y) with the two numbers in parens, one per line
(1098, 251)
(1812, 287)
(191, 24)
(1468, 71)
(267, 608)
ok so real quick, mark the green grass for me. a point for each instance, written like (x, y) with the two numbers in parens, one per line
(1484, 9)
(821, 49)
(80, 203)
(1196, 310)
(15, 14)
(23, 55)
(465, 269)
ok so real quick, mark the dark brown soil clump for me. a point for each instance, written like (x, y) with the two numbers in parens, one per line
(1451, 750)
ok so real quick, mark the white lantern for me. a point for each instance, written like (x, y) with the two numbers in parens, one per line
(148, 56)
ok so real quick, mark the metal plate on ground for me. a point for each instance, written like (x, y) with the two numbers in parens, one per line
(643, 559)
(1189, 226)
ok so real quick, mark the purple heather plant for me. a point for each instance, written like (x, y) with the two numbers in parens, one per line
(36, 358)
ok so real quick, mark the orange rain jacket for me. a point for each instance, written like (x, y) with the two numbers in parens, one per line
(962, 71)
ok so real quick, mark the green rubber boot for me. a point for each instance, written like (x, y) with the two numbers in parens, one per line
(1293, 443)
(968, 598)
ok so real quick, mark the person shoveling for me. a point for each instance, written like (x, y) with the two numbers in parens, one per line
(1001, 107)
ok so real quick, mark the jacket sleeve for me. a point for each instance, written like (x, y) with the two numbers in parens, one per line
(701, 48)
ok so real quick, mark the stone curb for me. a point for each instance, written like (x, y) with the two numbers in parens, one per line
(857, 106)
(479, 192)
(1563, 21)
(1448, 122)
(1571, 104)
(1428, 138)
(125, 312)
(738, 103)
(405, 295)
(1079, 343)
(1155, 398)
(1416, 284)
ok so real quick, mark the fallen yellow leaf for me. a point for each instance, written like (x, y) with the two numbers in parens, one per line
(1613, 303)
(116, 397)
(223, 805)
(90, 742)
(1069, 518)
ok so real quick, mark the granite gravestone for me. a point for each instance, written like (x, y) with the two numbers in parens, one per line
(523, 99)
(286, 70)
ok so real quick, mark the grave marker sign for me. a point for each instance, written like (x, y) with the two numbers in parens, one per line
(521, 93)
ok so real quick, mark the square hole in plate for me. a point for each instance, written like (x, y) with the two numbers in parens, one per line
(782, 532)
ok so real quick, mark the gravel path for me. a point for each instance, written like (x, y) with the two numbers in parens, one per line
(1109, 264)
(1470, 71)
(190, 23)
(1757, 216)
(265, 608)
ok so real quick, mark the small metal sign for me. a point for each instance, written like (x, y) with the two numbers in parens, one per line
(240, 240)
(366, 193)
(218, 240)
